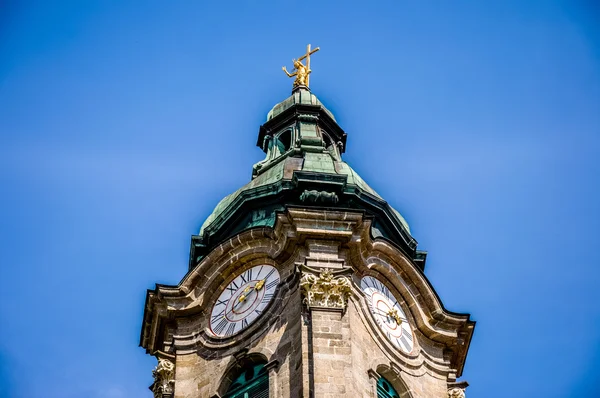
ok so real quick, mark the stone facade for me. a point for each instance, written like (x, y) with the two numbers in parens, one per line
(317, 337)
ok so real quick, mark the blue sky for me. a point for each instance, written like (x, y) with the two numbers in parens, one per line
(123, 123)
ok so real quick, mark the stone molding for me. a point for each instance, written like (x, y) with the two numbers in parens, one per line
(324, 290)
(164, 379)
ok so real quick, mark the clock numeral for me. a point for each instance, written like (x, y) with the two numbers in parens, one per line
(232, 287)
(370, 282)
(259, 271)
(220, 326)
(219, 315)
(272, 284)
(267, 297)
(221, 302)
(246, 276)
(257, 312)
(381, 286)
(230, 329)
(270, 273)
(407, 334)
(405, 344)
(387, 293)
(244, 323)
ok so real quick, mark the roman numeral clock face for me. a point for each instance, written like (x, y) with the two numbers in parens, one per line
(243, 300)
(387, 313)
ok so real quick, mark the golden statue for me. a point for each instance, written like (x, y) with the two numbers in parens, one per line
(302, 71)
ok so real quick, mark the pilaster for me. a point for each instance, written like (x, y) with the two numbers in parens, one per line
(164, 379)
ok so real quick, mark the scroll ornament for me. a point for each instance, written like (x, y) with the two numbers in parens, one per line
(456, 393)
(164, 378)
(325, 290)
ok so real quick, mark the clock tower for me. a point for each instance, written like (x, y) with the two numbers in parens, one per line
(304, 283)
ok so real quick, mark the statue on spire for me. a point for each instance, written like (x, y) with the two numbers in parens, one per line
(302, 71)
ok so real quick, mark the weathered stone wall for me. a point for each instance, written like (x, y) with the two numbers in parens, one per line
(328, 354)
(324, 353)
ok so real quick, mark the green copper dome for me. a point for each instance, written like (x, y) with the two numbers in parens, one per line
(303, 166)
(268, 182)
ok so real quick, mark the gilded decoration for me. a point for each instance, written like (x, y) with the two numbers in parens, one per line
(302, 71)
(164, 378)
(456, 393)
(325, 290)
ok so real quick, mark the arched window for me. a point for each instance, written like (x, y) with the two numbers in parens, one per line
(385, 389)
(284, 140)
(331, 146)
(252, 382)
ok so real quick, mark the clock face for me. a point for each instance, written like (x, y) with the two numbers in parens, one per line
(243, 300)
(387, 313)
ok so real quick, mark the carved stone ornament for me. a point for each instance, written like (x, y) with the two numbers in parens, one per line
(456, 393)
(314, 196)
(164, 378)
(325, 290)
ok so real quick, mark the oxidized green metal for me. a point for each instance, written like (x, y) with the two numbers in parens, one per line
(303, 166)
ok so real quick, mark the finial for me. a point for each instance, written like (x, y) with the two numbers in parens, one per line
(302, 71)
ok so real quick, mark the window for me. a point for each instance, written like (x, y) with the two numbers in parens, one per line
(253, 382)
(331, 146)
(385, 389)
(284, 141)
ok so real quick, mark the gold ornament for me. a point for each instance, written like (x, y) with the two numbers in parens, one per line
(302, 71)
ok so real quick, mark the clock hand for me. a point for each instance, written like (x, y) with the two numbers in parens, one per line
(382, 312)
(247, 291)
(242, 297)
(392, 313)
(259, 285)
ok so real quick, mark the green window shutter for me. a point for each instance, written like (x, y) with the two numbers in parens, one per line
(253, 382)
(385, 389)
